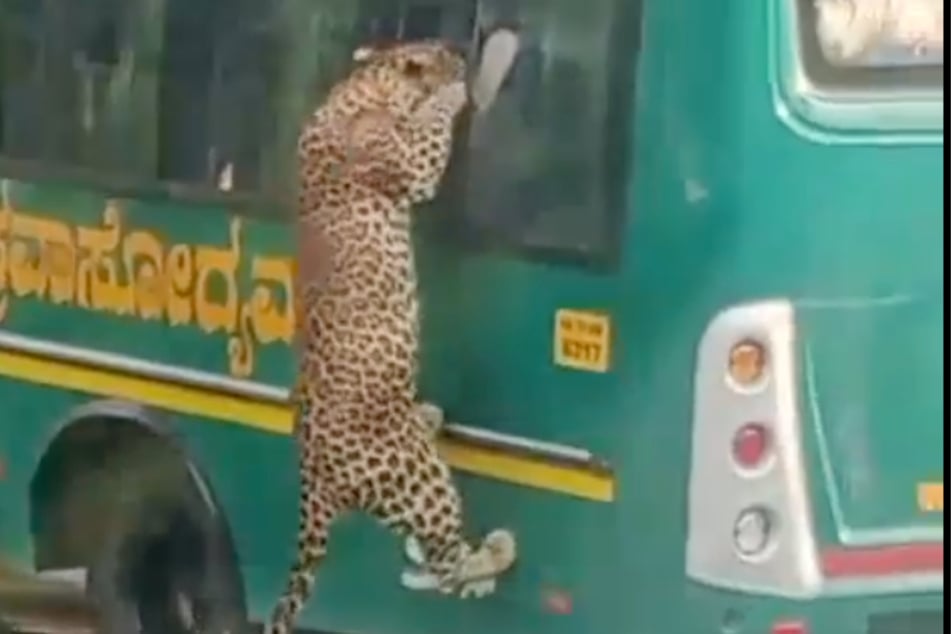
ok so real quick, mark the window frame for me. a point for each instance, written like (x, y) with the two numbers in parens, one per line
(111, 182)
(603, 255)
(870, 79)
(847, 105)
(140, 188)
(616, 138)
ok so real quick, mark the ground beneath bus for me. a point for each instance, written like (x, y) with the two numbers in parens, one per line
(29, 605)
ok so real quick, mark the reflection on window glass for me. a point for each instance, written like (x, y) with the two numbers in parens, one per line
(218, 75)
(879, 44)
(561, 116)
(400, 20)
(555, 189)
(204, 93)
(883, 33)
(212, 93)
(72, 93)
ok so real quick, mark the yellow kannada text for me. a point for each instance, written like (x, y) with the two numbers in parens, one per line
(125, 271)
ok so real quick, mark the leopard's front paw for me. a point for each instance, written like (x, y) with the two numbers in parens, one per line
(419, 580)
(494, 556)
(477, 589)
(413, 551)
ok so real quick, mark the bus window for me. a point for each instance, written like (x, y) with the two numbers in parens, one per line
(237, 79)
(210, 94)
(416, 19)
(139, 93)
(217, 80)
(3, 66)
(185, 78)
(74, 94)
(876, 44)
(556, 190)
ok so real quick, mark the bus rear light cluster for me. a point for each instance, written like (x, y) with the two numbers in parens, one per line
(747, 373)
(746, 454)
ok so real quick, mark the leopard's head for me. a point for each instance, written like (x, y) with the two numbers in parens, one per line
(408, 72)
(361, 134)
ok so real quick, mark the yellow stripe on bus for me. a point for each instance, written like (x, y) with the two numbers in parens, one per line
(277, 418)
(183, 399)
(528, 472)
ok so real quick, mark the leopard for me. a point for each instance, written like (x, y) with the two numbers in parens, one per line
(372, 153)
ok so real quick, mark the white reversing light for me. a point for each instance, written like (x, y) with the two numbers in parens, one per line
(753, 532)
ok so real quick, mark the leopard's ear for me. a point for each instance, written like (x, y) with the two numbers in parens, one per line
(369, 50)
(364, 54)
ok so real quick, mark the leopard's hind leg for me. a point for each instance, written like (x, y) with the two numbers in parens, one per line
(318, 507)
(316, 516)
(422, 504)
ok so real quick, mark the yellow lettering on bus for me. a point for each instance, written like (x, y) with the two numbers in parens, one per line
(583, 340)
(931, 497)
(109, 268)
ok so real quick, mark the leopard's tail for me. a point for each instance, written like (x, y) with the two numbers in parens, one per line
(316, 519)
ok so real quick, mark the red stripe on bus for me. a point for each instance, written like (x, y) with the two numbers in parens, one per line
(883, 560)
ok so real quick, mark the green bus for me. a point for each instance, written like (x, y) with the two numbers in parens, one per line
(683, 304)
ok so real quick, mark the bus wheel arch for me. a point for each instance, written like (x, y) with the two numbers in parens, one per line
(116, 490)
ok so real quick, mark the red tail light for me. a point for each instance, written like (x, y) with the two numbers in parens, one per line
(751, 446)
(558, 602)
(883, 561)
(790, 627)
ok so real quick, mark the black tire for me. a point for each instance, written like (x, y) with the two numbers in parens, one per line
(182, 579)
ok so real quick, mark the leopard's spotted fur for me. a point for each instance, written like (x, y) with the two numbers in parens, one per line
(377, 147)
